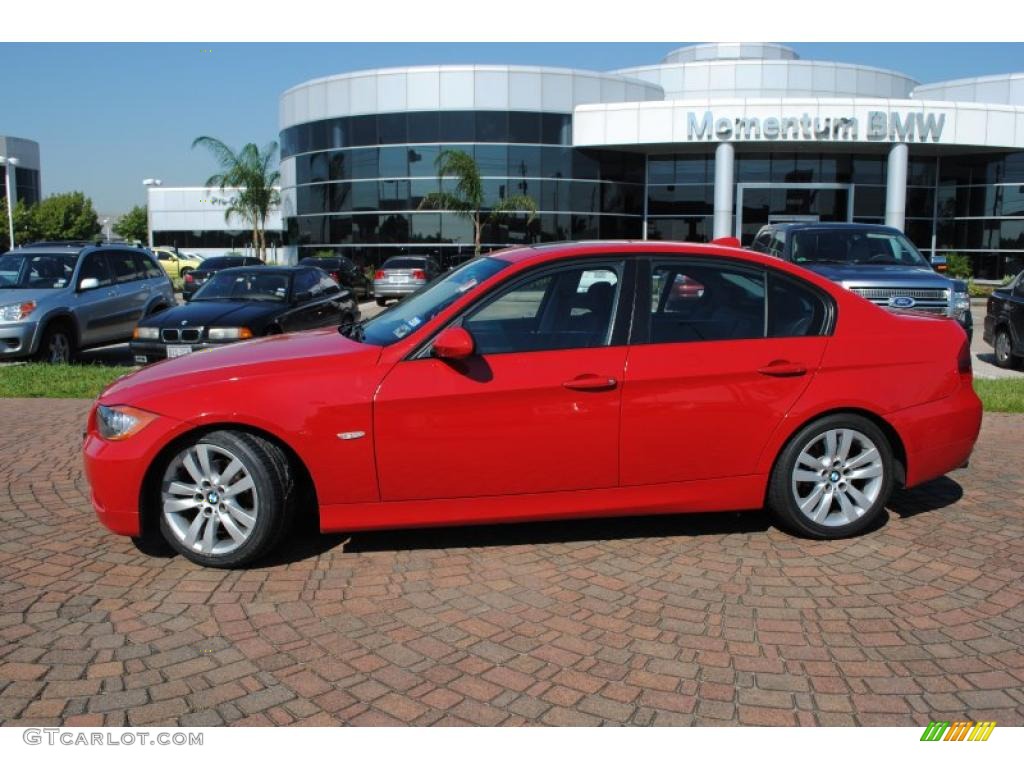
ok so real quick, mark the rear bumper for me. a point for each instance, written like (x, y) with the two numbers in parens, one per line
(382, 289)
(939, 436)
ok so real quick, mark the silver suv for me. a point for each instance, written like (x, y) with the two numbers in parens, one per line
(59, 297)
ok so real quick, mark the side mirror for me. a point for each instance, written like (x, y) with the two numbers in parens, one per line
(88, 284)
(453, 343)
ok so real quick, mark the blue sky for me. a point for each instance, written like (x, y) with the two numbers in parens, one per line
(108, 115)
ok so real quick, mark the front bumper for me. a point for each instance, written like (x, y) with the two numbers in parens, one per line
(18, 339)
(154, 351)
(116, 471)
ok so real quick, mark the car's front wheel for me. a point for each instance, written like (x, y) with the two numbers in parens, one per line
(833, 478)
(225, 498)
(1004, 350)
(57, 344)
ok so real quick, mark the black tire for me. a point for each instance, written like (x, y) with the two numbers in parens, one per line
(273, 486)
(1003, 345)
(381, 302)
(57, 344)
(783, 485)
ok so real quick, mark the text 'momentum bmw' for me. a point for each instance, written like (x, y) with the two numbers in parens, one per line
(574, 380)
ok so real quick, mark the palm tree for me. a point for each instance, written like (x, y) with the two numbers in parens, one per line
(467, 200)
(252, 171)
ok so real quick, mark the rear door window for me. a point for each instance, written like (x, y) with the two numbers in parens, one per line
(124, 266)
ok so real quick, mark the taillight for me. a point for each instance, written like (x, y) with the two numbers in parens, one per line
(189, 278)
(963, 359)
(336, 276)
(378, 275)
(419, 274)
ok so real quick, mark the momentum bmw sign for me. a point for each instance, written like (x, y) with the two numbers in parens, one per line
(879, 126)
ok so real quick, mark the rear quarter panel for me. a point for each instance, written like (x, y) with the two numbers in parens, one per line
(879, 362)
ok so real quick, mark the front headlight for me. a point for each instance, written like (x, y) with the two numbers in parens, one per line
(225, 334)
(120, 421)
(146, 333)
(15, 312)
(961, 303)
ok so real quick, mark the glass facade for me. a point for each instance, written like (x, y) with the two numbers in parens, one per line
(224, 239)
(980, 211)
(360, 180)
(26, 184)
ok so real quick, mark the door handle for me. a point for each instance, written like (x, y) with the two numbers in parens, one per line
(782, 368)
(590, 382)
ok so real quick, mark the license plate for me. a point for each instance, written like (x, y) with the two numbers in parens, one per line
(399, 279)
(140, 359)
(177, 350)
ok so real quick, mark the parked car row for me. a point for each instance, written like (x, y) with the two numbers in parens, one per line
(57, 298)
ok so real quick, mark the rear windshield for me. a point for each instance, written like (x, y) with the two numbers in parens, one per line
(836, 246)
(405, 262)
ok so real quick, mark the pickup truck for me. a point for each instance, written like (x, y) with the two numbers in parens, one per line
(1004, 323)
(877, 262)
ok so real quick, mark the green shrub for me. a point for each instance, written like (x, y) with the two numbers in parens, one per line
(958, 265)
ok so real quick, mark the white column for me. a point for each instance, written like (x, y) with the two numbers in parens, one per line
(896, 187)
(724, 157)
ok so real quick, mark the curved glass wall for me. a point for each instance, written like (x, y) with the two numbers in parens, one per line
(360, 181)
(980, 211)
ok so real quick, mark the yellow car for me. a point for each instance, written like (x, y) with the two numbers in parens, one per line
(176, 264)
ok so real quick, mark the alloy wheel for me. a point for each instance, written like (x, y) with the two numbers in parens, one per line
(838, 477)
(209, 500)
(59, 349)
(1003, 347)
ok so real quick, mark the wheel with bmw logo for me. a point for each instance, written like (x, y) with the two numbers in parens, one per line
(224, 499)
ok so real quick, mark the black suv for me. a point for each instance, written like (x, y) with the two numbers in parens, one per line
(877, 262)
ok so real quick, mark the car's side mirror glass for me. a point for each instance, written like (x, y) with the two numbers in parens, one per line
(88, 284)
(454, 343)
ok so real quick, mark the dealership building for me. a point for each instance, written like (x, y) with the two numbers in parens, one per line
(199, 220)
(716, 140)
(24, 168)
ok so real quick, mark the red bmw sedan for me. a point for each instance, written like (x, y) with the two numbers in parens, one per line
(540, 383)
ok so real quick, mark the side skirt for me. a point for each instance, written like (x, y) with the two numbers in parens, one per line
(718, 495)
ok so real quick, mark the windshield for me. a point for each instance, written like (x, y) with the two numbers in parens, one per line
(38, 270)
(388, 327)
(256, 285)
(834, 246)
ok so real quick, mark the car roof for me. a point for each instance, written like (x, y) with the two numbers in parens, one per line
(790, 226)
(266, 269)
(74, 246)
(550, 252)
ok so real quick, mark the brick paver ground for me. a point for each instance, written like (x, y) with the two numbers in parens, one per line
(686, 620)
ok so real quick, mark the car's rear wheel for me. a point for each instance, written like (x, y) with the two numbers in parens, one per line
(833, 478)
(1004, 350)
(382, 302)
(225, 499)
(57, 344)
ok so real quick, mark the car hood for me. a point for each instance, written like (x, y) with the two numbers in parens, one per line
(19, 295)
(207, 313)
(881, 274)
(167, 387)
